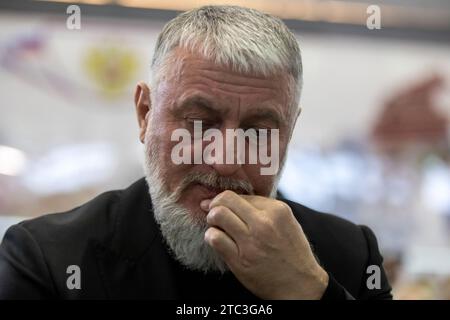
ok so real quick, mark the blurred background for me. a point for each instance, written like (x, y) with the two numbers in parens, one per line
(371, 145)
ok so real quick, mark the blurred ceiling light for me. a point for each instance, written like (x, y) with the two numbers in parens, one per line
(12, 161)
(71, 167)
(333, 11)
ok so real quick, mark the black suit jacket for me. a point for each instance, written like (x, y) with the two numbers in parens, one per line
(121, 255)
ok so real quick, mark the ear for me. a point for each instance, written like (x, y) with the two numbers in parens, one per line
(143, 106)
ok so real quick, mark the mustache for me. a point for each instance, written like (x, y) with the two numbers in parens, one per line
(214, 181)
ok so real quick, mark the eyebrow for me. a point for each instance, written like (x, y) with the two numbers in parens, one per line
(270, 114)
(257, 113)
(198, 101)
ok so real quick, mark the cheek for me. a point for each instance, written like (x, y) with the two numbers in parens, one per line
(159, 139)
(262, 184)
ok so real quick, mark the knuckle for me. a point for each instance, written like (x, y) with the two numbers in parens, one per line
(282, 207)
(281, 212)
(211, 217)
(221, 196)
(226, 194)
(212, 236)
(229, 192)
(215, 215)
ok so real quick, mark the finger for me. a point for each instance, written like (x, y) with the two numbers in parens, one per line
(222, 244)
(258, 202)
(272, 208)
(225, 219)
(204, 205)
(241, 207)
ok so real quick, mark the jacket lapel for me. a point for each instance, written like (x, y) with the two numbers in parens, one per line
(133, 263)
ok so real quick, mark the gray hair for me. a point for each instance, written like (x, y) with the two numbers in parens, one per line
(243, 39)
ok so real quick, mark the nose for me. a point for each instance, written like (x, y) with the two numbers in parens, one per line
(230, 163)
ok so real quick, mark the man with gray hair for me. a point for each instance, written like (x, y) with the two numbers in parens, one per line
(203, 227)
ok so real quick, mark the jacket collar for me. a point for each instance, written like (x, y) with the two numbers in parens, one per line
(133, 261)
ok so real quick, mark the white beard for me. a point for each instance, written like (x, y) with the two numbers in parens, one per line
(184, 234)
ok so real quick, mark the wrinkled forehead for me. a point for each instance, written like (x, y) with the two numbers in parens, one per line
(180, 60)
(189, 73)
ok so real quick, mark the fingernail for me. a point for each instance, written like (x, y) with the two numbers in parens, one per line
(205, 204)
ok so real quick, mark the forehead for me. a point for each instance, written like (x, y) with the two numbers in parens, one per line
(188, 74)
